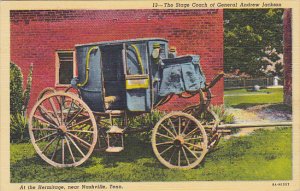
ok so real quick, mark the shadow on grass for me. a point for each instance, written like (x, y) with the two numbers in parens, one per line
(36, 170)
(134, 150)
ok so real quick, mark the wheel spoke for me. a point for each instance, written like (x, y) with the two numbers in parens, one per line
(194, 145)
(186, 158)
(179, 125)
(166, 150)
(61, 108)
(164, 143)
(172, 155)
(47, 146)
(185, 127)
(46, 137)
(54, 153)
(53, 107)
(44, 120)
(76, 146)
(83, 121)
(74, 117)
(172, 125)
(43, 129)
(82, 131)
(63, 151)
(191, 133)
(191, 152)
(164, 136)
(49, 115)
(193, 138)
(79, 139)
(71, 106)
(168, 130)
(68, 144)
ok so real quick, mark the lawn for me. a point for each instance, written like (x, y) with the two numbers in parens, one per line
(241, 98)
(256, 157)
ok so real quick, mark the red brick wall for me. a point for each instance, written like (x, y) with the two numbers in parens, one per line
(287, 56)
(36, 35)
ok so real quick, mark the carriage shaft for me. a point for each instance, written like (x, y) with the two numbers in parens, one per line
(237, 126)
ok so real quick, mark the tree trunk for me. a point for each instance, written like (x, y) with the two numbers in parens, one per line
(287, 55)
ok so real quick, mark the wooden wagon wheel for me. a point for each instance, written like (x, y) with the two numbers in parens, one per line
(179, 141)
(59, 125)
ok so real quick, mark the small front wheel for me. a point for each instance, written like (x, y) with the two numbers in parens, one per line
(179, 141)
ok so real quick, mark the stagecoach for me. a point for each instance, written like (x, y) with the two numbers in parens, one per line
(118, 80)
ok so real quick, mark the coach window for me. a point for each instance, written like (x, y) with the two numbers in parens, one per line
(65, 67)
(137, 59)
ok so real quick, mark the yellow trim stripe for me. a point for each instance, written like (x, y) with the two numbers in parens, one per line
(139, 58)
(87, 66)
(137, 84)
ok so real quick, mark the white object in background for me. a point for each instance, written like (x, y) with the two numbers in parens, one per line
(275, 81)
(256, 88)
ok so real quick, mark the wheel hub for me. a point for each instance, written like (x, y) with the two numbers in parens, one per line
(62, 129)
(179, 141)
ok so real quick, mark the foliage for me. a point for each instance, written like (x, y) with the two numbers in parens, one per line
(18, 98)
(256, 157)
(222, 113)
(18, 128)
(26, 93)
(18, 103)
(16, 89)
(145, 120)
(252, 38)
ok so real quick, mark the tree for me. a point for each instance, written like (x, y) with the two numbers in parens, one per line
(252, 40)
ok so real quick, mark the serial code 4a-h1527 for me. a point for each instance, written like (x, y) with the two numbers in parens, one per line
(280, 184)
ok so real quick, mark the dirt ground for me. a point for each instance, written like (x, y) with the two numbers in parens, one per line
(265, 113)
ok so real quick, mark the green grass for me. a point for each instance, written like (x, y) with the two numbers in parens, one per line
(242, 98)
(265, 155)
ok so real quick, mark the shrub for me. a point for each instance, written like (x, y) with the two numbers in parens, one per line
(19, 100)
(222, 113)
(26, 94)
(18, 128)
(145, 120)
(16, 89)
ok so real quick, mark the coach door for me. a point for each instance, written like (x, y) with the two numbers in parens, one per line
(137, 77)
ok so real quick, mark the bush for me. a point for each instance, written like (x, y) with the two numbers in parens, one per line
(145, 120)
(222, 113)
(18, 128)
(19, 100)
(16, 89)
(26, 93)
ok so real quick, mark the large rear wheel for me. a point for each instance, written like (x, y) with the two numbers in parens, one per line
(62, 129)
